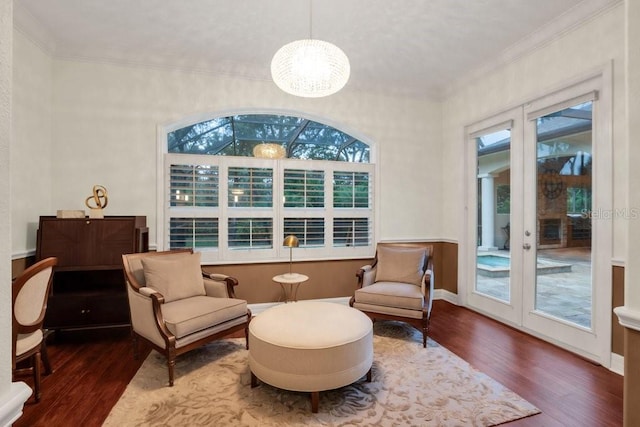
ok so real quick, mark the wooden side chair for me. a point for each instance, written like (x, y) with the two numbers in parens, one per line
(176, 307)
(398, 285)
(30, 292)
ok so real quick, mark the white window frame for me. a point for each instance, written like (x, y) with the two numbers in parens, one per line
(223, 254)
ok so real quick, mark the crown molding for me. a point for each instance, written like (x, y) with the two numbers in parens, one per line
(574, 18)
(31, 28)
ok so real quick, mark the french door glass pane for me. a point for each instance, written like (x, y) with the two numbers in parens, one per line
(563, 214)
(493, 260)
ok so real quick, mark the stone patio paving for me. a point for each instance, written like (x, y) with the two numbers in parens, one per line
(563, 295)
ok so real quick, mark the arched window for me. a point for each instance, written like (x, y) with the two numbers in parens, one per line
(235, 186)
(239, 135)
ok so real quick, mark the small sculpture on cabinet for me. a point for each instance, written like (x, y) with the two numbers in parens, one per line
(100, 200)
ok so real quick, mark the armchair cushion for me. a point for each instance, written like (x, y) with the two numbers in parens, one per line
(400, 264)
(391, 294)
(190, 315)
(176, 278)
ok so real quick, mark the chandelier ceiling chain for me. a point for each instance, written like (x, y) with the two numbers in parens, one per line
(310, 19)
(310, 68)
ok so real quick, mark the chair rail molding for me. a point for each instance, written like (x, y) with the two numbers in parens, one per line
(628, 317)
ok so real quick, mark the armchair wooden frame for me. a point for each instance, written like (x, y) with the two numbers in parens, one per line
(37, 354)
(170, 350)
(366, 276)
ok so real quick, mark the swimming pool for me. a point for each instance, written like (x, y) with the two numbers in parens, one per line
(494, 260)
(490, 265)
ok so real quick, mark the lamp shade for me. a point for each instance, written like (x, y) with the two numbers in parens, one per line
(290, 241)
(310, 68)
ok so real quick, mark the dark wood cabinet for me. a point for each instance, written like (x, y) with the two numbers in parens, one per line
(88, 289)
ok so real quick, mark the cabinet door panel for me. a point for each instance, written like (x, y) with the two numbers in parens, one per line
(77, 311)
(112, 238)
(66, 311)
(108, 310)
(65, 240)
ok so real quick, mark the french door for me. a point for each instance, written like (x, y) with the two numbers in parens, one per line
(495, 155)
(538, 183)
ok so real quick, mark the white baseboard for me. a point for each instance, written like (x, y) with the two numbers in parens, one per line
(260, 307)
(12, 402)
(617, 364)
(446, 295)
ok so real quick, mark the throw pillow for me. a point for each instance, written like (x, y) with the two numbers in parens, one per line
(175, 277)
(400, 264)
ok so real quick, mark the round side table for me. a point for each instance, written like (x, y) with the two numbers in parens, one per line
(289, 282)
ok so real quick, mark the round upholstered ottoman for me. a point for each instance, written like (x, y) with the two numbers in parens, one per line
(310, 346)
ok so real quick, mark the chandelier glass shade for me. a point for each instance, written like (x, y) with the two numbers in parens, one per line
(269, 151)
(310, 68)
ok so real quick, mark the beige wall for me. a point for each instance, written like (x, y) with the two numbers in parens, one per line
(447, 267)
(105, 120)
(81, 124)
(327, 279)
(617, 300)
(6, 70)
(632, 158)
(31, 149)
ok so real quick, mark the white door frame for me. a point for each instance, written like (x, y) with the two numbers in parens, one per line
(588, 342)
(520, 313)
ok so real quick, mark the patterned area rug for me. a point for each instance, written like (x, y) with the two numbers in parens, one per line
(411, 385)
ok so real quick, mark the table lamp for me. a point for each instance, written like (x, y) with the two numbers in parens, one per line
(292, 242)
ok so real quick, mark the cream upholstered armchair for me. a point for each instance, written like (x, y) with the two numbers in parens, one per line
(398, 285)
(30, 292)
(176, 307)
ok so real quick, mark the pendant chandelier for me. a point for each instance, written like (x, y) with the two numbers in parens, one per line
(310, 68)
(269, 150)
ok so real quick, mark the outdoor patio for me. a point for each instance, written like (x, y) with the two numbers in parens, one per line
(566, 295)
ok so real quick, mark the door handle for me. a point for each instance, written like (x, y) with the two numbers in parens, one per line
(526, 246)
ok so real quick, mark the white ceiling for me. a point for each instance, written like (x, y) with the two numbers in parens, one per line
(417, 47)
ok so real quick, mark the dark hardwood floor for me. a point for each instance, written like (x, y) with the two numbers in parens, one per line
(569, 390)
(92, 369)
